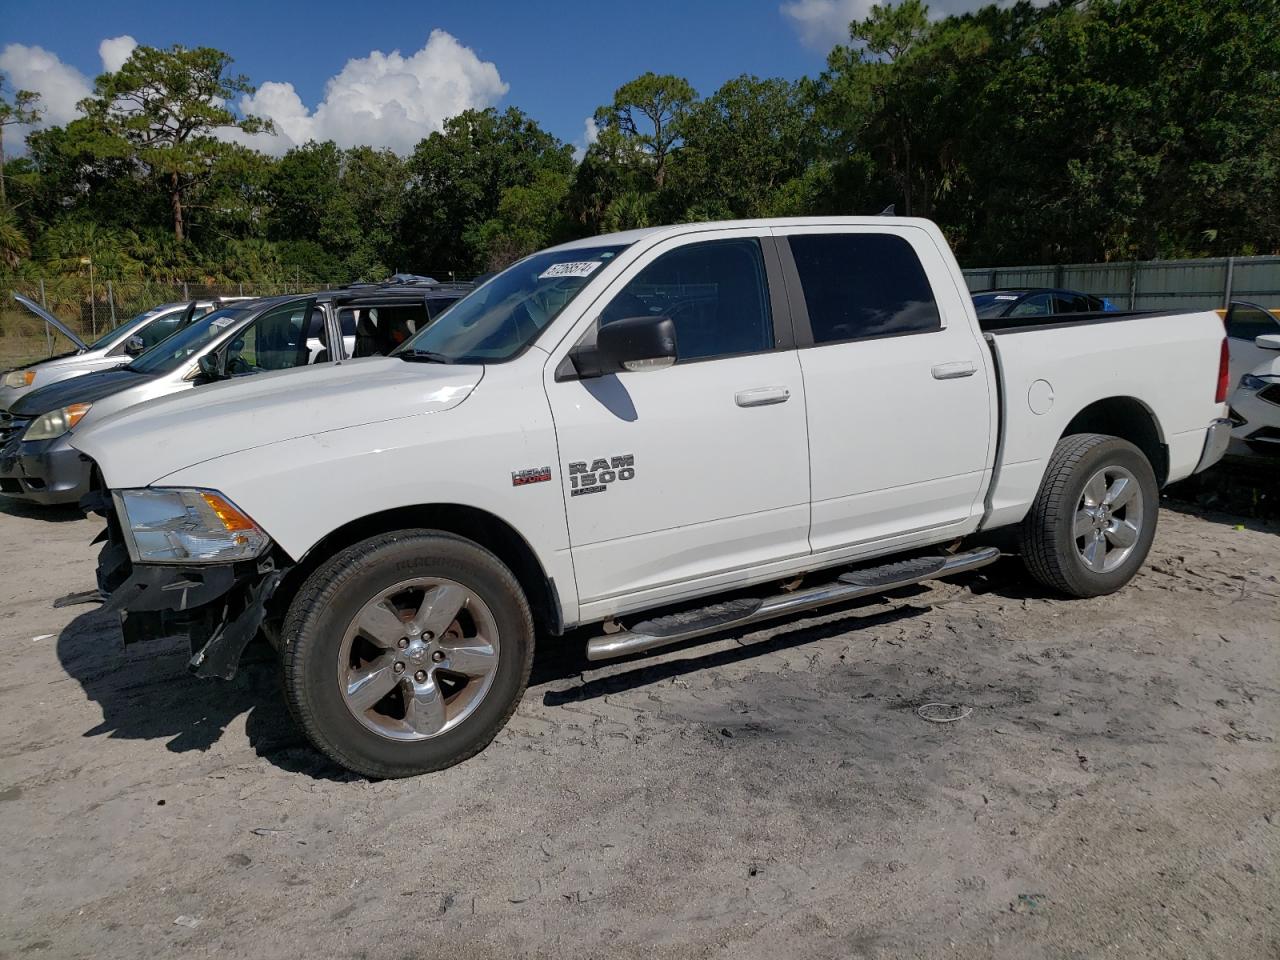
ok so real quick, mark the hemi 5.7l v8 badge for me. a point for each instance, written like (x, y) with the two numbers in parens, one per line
(599, 474)
(522, 478)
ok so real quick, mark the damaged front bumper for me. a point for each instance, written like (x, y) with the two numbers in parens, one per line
(218, 607)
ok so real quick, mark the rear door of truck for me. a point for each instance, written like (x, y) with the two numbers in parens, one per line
(898, 388)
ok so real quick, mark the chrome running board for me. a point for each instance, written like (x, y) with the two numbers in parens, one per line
(674, 628)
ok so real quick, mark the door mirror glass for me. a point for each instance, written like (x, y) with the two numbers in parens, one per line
(134, 346)
(1268, 341)
(636, 343)
(211, 366)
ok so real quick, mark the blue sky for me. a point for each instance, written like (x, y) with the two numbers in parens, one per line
(557, 62)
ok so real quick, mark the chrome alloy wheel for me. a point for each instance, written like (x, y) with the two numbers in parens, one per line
(418, 659)
(1108, 519)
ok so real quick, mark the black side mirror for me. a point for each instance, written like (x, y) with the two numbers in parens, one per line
(633, 344)
(211, 366)
(134, 346)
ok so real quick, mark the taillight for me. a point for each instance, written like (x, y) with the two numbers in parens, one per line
(1224, 373)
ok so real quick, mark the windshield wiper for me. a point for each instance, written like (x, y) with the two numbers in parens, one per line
(423, 356)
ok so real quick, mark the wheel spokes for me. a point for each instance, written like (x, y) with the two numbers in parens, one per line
(1084, 525)
(367, 685)
(424, 707)
(476, 658)
(440, 607)
(1095, 490)
(381, 623)
(1095, 551)
(1120, 492)
(1122, 533)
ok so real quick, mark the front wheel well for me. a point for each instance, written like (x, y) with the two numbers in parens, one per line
(479, 526)
(1129, 419)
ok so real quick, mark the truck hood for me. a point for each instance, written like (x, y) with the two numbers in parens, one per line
(141, 444)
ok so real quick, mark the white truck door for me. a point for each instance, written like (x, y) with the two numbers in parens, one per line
(899, 402)
(698, 470)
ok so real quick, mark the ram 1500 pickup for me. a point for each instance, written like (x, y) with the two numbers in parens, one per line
(654, 435)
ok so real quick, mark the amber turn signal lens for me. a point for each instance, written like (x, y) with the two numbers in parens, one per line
(76, 412)
(227, 513)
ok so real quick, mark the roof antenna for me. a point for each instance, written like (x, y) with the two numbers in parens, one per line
(887, 211)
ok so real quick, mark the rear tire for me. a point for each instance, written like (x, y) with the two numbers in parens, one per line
(406, 653)
(1094, 517)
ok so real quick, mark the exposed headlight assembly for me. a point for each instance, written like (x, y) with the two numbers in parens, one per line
(1250, 382)
(173, 525)
(20, 378)
(56, 422)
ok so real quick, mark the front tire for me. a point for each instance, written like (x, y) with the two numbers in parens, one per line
(406, 653)
(1094, 517)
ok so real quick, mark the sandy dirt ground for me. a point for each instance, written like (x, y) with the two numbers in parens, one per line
(1115, 791)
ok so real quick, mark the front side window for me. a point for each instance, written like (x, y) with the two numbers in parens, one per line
(1039, 305)
(1071, 303)
(172, 352)
(500, 319)
(126, 329)
(1247, 322)
(160, 328)
(277, 340)
(715, 293)
(863, 285)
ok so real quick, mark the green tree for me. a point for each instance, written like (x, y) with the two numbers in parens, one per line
(742, 146)
(901, 92)
(14, 246)
(459, 177)
(23, 110)
(648, 113)
(161, 110)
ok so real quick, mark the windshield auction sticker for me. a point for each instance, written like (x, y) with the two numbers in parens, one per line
(576, 268)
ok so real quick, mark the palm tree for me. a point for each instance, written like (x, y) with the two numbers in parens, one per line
(14, 246)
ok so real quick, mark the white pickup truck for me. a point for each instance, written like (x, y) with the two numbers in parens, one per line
(656, 435)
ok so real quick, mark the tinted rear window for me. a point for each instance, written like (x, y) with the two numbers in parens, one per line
(863, 285)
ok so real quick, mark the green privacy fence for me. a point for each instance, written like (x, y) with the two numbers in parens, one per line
(1149, 284)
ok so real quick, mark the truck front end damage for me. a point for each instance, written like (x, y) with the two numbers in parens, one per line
(218, 604)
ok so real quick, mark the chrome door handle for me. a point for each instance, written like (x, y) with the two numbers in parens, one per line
(954, 370)
(761, 396)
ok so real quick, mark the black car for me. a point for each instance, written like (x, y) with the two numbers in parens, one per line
(1036, 302)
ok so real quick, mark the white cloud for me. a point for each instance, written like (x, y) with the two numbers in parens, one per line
(822, 24)
(590, 134)
(384, 99)
(114, 51)
(60, 85)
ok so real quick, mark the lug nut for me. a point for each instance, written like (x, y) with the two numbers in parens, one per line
(399, 667)
(438, 656)
(428, 635)
(404, 642)
(420, 675)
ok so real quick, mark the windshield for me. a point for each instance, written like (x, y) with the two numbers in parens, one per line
(991, 305)
(126, 327)
(168, 355)
(505, 315)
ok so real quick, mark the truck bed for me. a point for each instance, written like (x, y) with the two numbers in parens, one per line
(1069, 373)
